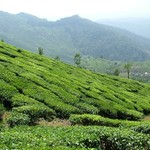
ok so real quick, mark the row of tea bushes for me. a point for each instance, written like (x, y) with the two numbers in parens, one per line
(39, 80)
(143, 128)
(87, 119)
(75, 137)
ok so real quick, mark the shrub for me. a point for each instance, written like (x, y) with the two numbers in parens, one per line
(62, 109)
(21, 100)
(87, 108)
(2, 110)
(144, 128)
(133, 115)
(36, 111)
(6, 90)
(87, 119)
(16, 118)
(91, 137)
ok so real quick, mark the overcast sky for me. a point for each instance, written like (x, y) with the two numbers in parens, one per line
(91, 9)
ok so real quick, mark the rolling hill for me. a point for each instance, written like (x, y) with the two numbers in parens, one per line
(68, 36)
(40, 87)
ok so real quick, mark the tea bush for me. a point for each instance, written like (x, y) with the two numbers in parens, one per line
(35, 112)
(87, 119)
(76, 137)
(2, 110)
(28, 79)
(16, 118)
(6, 90)
(143, 128)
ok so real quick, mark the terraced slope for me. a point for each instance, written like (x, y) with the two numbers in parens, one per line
(41, 87)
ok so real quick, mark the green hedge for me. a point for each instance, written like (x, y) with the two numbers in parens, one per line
(21, 100)
(143, 128)
(87, 108)
(6, 90)
(36, 111)
(87, 119)
(15, 118)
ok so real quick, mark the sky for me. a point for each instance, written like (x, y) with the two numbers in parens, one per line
(90, 9)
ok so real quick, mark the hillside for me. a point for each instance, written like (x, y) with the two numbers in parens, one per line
(140, 26)
(37, 86)
(66, 37)
(139, 71)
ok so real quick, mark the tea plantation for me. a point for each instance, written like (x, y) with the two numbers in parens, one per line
(33, 86)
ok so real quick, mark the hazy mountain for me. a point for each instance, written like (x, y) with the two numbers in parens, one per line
(70, 35)
(140, 26)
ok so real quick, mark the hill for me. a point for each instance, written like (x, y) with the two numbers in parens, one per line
(139, 71)
(140, 26)
(66, 37)
(39, 87)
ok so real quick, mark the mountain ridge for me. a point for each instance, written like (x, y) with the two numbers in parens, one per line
(140, 25)
(71, 35)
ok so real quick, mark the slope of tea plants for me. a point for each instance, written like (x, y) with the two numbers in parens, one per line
(73, 138)
(33, 86)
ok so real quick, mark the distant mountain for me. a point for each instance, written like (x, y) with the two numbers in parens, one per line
(140, 26)
(66, 37)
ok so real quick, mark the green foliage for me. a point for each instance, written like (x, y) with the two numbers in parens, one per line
(6, 90)
(143, 128)
(57, 58)
(140, 70)
(40, 50)
(76, 137)
(22, 100)
(77, 59)
(42, 88)
(116, 72)
(15, 118)
(128, 68)
(2, 110)
(35, 112)
(87, 119)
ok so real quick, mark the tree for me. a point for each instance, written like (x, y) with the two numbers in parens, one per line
(116, 72)
(57, 58)
(77, 59)
(40, 50)
(128, 69)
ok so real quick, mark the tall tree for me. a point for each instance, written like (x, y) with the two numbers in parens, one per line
(116, 72)
(41, 51)
(77, 59)
(128, 69)
(57, 58)
(2, 40)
